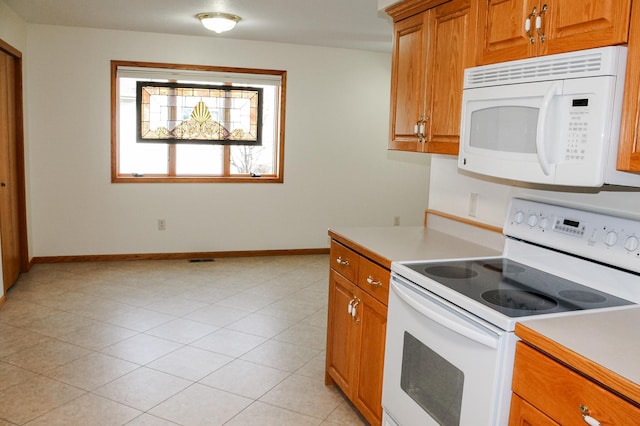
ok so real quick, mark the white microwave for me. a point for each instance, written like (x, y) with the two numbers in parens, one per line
(550, 120)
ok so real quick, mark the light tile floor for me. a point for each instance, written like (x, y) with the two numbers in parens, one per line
(230, 342)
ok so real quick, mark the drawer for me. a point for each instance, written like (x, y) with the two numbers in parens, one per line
(344, 261)
(374, 279)
(559, 391)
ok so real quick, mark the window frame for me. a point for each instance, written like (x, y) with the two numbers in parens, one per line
(278, 177)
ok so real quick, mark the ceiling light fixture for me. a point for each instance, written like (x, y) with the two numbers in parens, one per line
(218, 22)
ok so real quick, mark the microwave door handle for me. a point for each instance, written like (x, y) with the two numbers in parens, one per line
(541, 146)
(431, 312)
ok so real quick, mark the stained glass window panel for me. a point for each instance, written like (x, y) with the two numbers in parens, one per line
(198, 114)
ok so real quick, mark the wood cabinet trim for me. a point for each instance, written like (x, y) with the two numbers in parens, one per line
(409, 8)
(477, 224)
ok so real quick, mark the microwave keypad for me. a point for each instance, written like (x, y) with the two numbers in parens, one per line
(577, 137)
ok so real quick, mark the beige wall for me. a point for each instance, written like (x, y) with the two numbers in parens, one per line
(337, 169)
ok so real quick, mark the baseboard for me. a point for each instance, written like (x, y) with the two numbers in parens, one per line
(3, 299)
(176, 256)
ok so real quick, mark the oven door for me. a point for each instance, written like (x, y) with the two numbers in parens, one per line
(443, 366)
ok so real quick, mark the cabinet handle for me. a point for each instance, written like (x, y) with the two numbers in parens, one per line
(423, 126)
(587, 418)
(527, 25)
(374, 283)
(355, 305)
(539, 28)
(342, 262)
(418, 129)
(350, 307)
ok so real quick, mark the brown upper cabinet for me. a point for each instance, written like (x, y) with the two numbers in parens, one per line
(517, 29)
(434, 41)
(629, 150)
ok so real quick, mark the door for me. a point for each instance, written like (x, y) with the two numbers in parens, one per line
(564, 26)
(442, 365)
(407, 85)
(584, 24)
(451, 50)
(340, 332)
(371, 320)
(629, 150)
(12, 229)
(502, 22)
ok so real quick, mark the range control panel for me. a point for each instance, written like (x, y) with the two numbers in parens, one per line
(605, 238)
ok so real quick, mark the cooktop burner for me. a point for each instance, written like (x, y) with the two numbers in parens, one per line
(515, 289)
(518, 299)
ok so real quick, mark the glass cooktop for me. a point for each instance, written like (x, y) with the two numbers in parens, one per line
(514, 289)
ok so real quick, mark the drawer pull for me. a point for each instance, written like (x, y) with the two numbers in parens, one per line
(587, 418)
(342, 262)
(374, 283)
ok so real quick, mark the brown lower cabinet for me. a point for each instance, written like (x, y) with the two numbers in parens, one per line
(356, 329)
(546, 392)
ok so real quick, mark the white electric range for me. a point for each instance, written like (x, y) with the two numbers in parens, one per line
(450, 342)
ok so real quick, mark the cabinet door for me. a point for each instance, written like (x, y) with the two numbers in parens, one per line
(452, 29)
(371, 322)
(501, 27)
(584, 24)
(629, 149)
(407, 82)
(340, 333)
(524, 414)
(567, 25)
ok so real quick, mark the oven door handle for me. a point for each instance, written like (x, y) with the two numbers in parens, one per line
(432, 310)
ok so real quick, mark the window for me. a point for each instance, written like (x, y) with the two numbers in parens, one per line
(192, 123)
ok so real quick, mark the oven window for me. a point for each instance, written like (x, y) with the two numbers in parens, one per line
(431, 381)
(505, 129)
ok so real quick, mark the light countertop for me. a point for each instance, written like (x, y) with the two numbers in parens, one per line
(442, 239)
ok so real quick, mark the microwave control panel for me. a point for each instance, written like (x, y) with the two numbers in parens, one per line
(578, 130)
(602, 237)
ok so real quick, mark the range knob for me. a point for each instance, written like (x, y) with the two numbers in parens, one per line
(632, 243)
(532, 220)
(611, 238)
(518, 217)
(544, 223)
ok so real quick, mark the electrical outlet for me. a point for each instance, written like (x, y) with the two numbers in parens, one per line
(473, 204)
(396, 221)
(162, 225)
